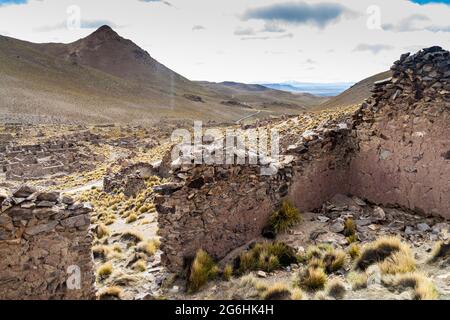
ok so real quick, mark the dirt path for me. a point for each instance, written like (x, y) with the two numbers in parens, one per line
(247, 117)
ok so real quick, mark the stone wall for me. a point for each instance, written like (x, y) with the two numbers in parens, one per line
(403, 134)
(219, 208)
(395, 150)
(44, 239)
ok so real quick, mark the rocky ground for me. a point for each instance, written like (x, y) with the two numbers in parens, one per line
(327, 228)
(126, 244)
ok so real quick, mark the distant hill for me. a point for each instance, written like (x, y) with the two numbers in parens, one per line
(264, 98)
(106, 78)
(318, 89)
(357, 93)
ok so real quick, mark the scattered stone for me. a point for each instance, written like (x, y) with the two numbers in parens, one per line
(24, 191)
(261, 274)
(337, 227)
(322, 218)
(423, 227)
(379, 214)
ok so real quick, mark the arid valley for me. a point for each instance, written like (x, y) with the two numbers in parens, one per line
(99, 199)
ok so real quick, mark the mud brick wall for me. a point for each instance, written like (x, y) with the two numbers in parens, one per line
(403, 134)
(41, 236)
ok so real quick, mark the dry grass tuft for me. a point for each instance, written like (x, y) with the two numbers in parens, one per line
(132, 218)
(105, 270)
(131, 236)
(296, 294)
(149, 247)
(399, 262)
(110, 293)
(313, 279)
(324, 256)
(392, 255)
(277, 291)
(102, 231)
(349, 227)
(354, 251)
(202, 270)
(336, 289)
(266, 256)
(358, 280)
(424, 288)
(285, 218)
(140, 265)
(334, 260)
(441, 251)
(227, 272)
(101, 252)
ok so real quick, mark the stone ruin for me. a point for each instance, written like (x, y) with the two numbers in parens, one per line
(36, 161)
(130, 179)
(45, 247)
(394, 151)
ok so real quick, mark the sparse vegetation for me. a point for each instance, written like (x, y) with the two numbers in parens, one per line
(101, 252)
(202, 270)
(102, 231)
(324, 256)
(140, 265)
(440, 251)
(132, 236)
(277, 291)
(334, 260)
(105, 270)
(354, 251)
(132, 218)
(349, 227)
(336, 289)
(149, 247)
(392, 255)
(358, 280)
(424, 288)
(267, 257)
(110, 293)
(227, 272)
(284, 218)
(313, 278)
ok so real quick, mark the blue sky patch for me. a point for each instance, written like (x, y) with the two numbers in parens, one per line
(431, 1)
(12, 1)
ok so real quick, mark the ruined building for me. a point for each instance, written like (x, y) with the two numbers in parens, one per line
(395, 150)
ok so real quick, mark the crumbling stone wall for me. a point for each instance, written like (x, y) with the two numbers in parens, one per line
(221, 207)
(395, 150)
(130, 179)
(403, 134)
(44, 242)
(65, 154)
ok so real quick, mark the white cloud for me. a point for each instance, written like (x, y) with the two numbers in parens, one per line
(166, 33)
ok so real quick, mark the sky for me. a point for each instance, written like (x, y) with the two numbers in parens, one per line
(251, 41)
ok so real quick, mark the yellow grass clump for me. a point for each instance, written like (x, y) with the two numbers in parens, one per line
(284, 218)
(202, 270)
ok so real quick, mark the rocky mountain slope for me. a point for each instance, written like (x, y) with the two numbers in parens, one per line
(356, 94)
(106, 78)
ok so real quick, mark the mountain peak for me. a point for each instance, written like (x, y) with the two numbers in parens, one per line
(104, 32)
